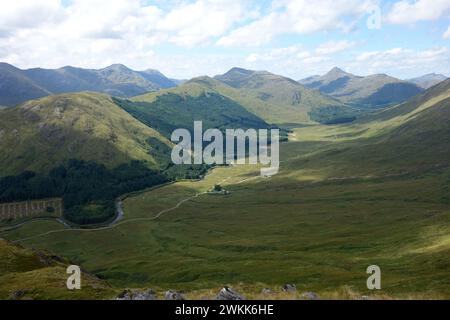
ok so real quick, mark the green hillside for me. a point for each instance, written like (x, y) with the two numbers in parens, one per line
(82, 148)
(413, 136)
(281, 100)
(172, 110)
(275, 99)
(40, 134)
(33, 274)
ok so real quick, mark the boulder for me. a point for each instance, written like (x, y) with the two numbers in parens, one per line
(266, 291)
(16, 295)
(229, 294)
(173, 295)
(310, 296)
(137, 295)
(290, 287)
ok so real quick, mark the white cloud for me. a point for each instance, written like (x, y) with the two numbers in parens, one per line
(400, 61)
(95, 33)
(446, 34)
(277, 54)
(298, 17)
(408, 12)
(20, 14)
(194, 23)
(296, 61)
(332, 47)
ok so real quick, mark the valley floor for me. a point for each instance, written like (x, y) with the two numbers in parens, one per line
(318, 226)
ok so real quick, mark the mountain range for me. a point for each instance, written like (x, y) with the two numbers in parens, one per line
(428, 80)
(374, 91)
(273, 98)
(17, 86)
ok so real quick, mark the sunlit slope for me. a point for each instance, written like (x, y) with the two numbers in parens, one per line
(194, 101)
(41, 134)
(32, 274)
(274, 99)
(279, 99)
(409, 137)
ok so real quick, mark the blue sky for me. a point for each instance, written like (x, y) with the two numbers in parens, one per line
(183, 39)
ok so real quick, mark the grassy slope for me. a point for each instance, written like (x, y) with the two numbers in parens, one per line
(176, 109)
(406, 138)
(273, 98)
(40, 134)
(40, 275)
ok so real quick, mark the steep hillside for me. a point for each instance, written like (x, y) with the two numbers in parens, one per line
(82, 148)
(373, 91)
(40, 134)
(158, 78)
(31, 274)
(179, 107)
(428, 80)
(281, 100)
(17, 86)
(410, 137)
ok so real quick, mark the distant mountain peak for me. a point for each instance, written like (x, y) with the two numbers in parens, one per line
(240, 70)
(152, 71)
(373, 91)
(337, 72)
(428, 80)
(118, 67)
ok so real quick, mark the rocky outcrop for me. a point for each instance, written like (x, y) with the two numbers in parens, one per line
(229, 294)
(310, 296)
(137, 295)
(173, 295)
(290, 287)
(18, 294)
(267, 291)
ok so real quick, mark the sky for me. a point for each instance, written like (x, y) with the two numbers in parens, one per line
(188, 38)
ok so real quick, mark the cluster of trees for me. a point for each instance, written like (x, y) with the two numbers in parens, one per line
(333, 115)
(89, 189)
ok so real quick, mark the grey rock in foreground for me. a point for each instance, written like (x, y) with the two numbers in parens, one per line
(266, 291)
(15, 295)
(137, 295)
(229, 294)
(173, 295)
(290, 287)
(310, 296)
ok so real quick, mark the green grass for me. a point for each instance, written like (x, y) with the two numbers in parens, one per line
(346, 197)
(295, 227)
(39, 275)
(41, 134)
(275, 99)
(171, 111)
